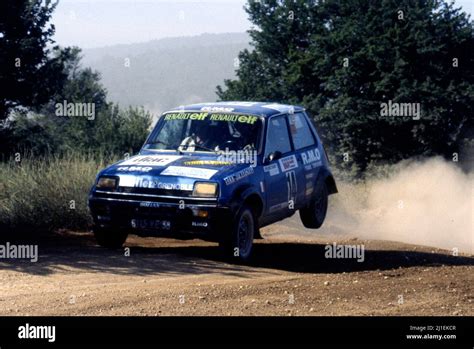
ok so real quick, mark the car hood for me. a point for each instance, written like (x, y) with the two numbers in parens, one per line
(171, 171)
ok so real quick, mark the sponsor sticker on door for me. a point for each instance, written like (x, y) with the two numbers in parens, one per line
(272, 169)
(288, 163)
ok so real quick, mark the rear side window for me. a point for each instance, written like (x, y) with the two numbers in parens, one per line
(300, 132)
(277, 136)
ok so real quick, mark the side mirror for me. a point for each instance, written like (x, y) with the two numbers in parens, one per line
(274, 156)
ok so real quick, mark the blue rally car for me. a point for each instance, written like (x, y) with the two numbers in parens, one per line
(218, 171)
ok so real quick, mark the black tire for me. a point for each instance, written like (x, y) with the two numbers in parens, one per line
(237, 243)
(314, 214)
(110, 237)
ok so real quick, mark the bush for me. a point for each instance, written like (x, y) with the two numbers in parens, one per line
(47, 194)
(113, 131)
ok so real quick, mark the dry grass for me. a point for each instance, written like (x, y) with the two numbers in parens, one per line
(46, 194)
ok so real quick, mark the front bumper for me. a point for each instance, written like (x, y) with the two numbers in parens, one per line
(155, 215)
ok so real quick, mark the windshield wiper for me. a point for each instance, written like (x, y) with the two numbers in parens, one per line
(182, 148)
(206, 148)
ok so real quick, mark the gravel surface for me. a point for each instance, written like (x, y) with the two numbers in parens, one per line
(288, 276)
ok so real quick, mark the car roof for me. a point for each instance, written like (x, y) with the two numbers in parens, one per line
(264, 109)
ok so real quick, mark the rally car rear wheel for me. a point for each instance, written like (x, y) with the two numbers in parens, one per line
(110, 237)
(239, 243)
(314, 214)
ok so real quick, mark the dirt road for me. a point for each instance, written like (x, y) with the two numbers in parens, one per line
(289, 276)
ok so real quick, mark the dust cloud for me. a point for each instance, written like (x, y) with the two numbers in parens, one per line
(428, 203)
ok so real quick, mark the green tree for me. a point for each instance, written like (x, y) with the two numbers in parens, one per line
(110, 131)
(344, 59)
(30, 70)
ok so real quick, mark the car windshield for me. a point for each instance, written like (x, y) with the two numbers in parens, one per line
(207, 132)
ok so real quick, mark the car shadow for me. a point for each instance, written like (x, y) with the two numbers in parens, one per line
(81, 253)
(310, 258)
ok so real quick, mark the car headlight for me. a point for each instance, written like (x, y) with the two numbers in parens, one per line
(108, 183)
(205, 189)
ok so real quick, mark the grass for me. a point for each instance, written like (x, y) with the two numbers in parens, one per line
(48, 193)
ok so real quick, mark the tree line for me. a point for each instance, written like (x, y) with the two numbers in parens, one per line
(347, 61)
(37, 77)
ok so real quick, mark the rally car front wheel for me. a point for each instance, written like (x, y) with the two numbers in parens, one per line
(238, 240)
(314, 214)
(110, 237)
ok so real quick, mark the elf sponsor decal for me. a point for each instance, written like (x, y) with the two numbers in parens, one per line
(155, 184)
(129, 181)
(186, 116)
(193, 172)
(134, 169)
(238, 175)
(311, 158)
(207, 163)
(246, 119)
(288, 163)
(271, 169)
(151, 160)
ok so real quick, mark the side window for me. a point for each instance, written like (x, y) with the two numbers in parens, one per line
(277, 136)
(300, 132)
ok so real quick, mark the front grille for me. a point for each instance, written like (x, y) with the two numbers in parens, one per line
(140, 197)
(154, 191)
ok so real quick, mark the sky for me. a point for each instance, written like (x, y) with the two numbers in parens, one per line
(98, 23)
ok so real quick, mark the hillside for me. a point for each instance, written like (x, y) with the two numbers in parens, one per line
(168, 72)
